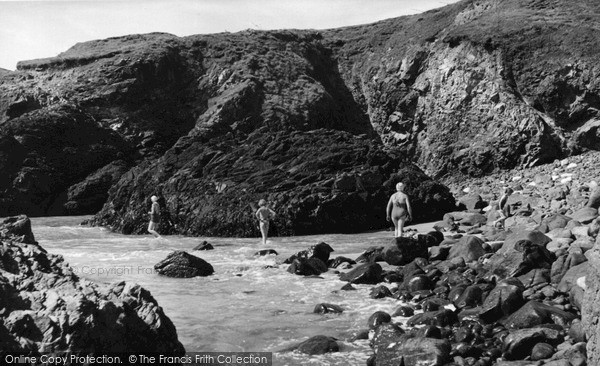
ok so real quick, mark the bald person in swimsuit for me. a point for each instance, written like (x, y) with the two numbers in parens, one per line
(398, 210)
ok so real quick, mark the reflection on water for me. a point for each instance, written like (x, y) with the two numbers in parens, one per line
(245, 305)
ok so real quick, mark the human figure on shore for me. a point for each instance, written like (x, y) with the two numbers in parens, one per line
(264, 214)
(503, 203)
(398, 210)
(154, 217)
(503, 208)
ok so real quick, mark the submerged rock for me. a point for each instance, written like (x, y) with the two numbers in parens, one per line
(325, 308)
(316, 345)
(264, 252)
(204, 246)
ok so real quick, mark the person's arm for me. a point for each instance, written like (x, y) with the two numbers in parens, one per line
(502, 201)
(258, 214)
(272, 212)
(388, 209)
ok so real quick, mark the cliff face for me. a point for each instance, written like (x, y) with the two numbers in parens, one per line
(479, 85)
(320, 123)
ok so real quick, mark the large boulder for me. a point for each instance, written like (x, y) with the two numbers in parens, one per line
(502, 300)
(182, 264)
(518, 344)
(403, 250)
(469, 247)
(510, 261)
(307, 266)
(47, 308)
(471, 202)
(535, 313)
(569, 279)
(556, 221)
(585, 215)
(368, 273)
(310, 262)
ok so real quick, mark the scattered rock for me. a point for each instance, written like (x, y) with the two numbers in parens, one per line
(204, 246)
(325, 308)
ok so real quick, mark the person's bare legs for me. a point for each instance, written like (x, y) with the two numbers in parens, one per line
(398, 226)
(401, 227)
(151, 229)
(264, 231)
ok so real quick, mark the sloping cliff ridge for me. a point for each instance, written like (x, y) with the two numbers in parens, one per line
(321, 123)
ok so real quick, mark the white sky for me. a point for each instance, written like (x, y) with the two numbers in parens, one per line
(37, 29)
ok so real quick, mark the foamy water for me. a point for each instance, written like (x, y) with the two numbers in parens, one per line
(244, 306)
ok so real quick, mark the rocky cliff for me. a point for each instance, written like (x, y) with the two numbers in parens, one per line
(320, 123)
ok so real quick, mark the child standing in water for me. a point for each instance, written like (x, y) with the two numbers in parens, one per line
(154, 217)
(398, 210)
(263, 214)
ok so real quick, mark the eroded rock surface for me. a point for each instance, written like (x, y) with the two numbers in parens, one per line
(45, 307)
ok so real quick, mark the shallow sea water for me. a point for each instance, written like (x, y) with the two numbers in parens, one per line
(244, 306)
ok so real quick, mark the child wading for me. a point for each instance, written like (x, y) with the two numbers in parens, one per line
(264, 214)
(154, 217)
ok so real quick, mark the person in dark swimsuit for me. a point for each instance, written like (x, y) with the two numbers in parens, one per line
(398, 210)
(154, 217)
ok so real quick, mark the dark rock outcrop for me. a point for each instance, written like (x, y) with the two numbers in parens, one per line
(182, 264)
(18, 228)
(45, 307)
(237, 117)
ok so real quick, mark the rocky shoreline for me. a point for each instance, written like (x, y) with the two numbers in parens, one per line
(515, 296)
(46, 308)
(469, 293)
